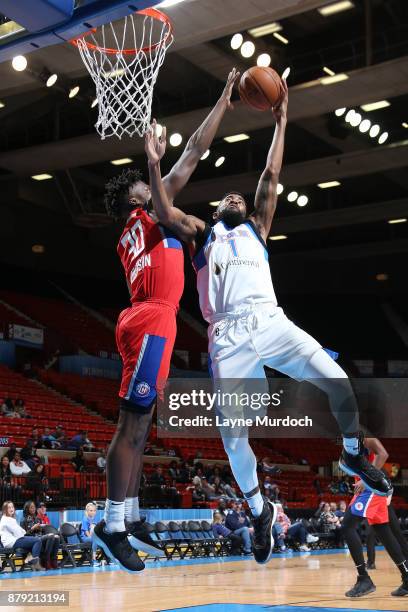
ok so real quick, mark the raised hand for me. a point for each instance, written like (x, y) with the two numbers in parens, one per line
(155, 146)
(280, 109)
(229, 86)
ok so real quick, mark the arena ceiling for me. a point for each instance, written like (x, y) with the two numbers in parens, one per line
(44, 131)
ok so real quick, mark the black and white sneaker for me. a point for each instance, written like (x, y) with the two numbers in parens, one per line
(263, 539)
(116, 546)
(363, 586)
(358, 465)
(402, 591)
(140, 539)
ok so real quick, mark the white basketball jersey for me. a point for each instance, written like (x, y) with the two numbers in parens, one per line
(232, 271)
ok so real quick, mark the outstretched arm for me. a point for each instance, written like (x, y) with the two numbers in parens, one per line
(184, 226)
(199, 142)
(266, 194)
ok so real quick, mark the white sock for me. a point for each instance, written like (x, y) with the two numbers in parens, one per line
(114, 516)
(256, 503)
(351, 445)
(132, 512)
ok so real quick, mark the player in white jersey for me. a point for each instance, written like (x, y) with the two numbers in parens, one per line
(247, 329)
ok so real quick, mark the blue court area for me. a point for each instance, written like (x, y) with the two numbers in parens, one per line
(231, 607)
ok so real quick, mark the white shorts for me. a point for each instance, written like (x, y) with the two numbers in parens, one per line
(241, 345)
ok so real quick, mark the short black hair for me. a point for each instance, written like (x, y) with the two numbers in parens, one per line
(117, 190)
(230, 192)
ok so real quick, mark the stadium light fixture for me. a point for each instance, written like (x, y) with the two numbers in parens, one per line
(236, 137)
(292, 196)
(329, 80)
(329, 184)
(383, 138)
(281, 38)
(375, 130)
(349, 115)
(19, 63)
(404, 124)
(41, 177)
(364, 125)
(2, 105)
(214, 203)
(375, 105)
(278, 237)
(73, 91)
(285, 73)
(339, 112)
(247, 49)
(264, 30)
(395, 221)
(219, 161)
(280, 188)
(206, 154)
(264, 60)
(122, 161)
(236, 41)
(302, 200)
(176, 139)
(52, 79)
(328, 71)
(337, 7)
(94, 103)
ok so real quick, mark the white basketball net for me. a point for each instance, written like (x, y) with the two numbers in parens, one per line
(124, 79)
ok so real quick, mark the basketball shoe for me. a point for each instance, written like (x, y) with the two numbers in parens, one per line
(363, 586)
(263, 538)
(358, 465)
(402, 591)
(116, 546)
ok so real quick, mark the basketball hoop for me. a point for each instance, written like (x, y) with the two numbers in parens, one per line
(123, 59)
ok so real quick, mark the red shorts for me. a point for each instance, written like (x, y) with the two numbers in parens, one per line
(145, 335)
(371, 506)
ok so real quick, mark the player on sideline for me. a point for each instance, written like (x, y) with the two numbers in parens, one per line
(247, 330)
(153, 263)
(381, 516)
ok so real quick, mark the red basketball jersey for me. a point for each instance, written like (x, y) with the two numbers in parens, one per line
(152, 258)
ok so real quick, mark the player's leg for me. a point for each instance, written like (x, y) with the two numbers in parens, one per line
(232, 356)
(364, 584)
(370, 544)
(391, 545)
(396, 530)
(290, 350)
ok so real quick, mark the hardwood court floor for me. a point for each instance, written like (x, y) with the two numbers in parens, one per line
(300, 582)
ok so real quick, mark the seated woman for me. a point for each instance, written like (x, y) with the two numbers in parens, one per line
(33, 525)
(296, 531)
(37, 481)
(13, 536)
(332, 524)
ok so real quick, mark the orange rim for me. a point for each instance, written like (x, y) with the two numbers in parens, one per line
(149, 12)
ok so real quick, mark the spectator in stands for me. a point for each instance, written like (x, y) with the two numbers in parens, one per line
(101, 461)
(344, 486)
(272, 490)
(14, 536)
(33, 525)
(5, 472)
(198, 494)
(59, 433)
(47, 440)
(29, 454)
(223, 507)
(157, 477)
(7, 406)
(209, 490)
(331, 523)
(239, 524)
(222, 532)
(37, 482)
(80, 440)
(35, 437)
(11, 451)
(78, 461)
(30, 522)
(20, 408)
(88, 522)
(279, 536)
(42, 514)
(296, 531)
(222, 489)
(319, 510)
(18, 467)
(184, 477)
(174, 471)
(341, 511)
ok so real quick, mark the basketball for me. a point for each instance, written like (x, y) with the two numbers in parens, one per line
(260, 88)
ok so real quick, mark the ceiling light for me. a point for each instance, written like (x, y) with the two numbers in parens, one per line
(38, 248)
(114, 73)
(214, 203)
(340, 111)
(375, 105)
(328, 71)
(94, 102)
(404, 123)
(292, 196)
(168, 3)
(19, 63)
(337, 7)
(159, 130)
(355, 119)
(247, 49)
(302, 200)
(73, 91)
(285, 73)
(268, 28)
(381, 277)
(281, 38)
(236, 137)
(206, 154)
(375, 130)
(328, 184)
(278, 237)
(394, 221)
(365, 125)
(176, 139)
(120, 162)
(350, 115)
(264, 60)
(2, 105)
(383, 138)
(329, 80)
(219, 162)
(280, 188)
(236, 41)
(52, 79)
(41, 177)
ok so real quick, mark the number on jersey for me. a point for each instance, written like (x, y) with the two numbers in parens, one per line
(134, 237)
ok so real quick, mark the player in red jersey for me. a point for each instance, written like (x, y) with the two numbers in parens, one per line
(382, 519)
(152, 258)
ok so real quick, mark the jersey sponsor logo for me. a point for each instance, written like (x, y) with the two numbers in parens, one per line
(239, 261)
(142, 262)
(143, 389)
